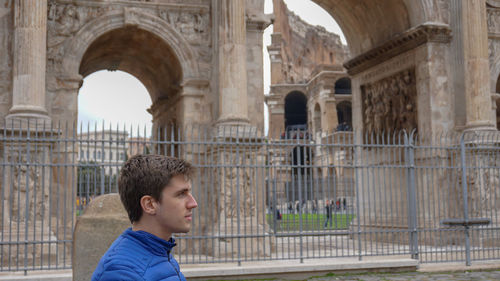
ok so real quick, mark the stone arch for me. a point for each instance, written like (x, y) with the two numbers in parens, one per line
(367, 24)
(91, 31)
(164, 70)
(495, 74)
(295, 109)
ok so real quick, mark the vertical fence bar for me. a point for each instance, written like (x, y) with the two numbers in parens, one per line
(412, 204)
(465, 198)
(357, 166)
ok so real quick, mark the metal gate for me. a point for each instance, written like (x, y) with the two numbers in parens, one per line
(340, 194)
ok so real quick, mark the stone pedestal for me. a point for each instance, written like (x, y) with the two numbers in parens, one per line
(237, 202)
(27, 223)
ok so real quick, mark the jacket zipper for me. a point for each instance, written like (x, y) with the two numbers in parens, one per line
(178, 275)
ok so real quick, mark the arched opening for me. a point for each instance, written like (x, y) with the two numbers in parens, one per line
(295, 111)
(143, 55)
(118, 88)
(146, 58)
(317, 118)
(343, 86)
(151, 60)
(344, 115)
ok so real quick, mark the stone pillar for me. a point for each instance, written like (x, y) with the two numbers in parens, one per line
(30, 36)
(191, 103)
(330, 115)
(233, 107)
(235, 203)
(255, 25)
(276, 117)
(476, 66)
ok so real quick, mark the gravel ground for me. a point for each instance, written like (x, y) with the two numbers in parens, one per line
(420, 276)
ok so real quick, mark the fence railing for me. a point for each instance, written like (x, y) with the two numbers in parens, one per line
(431, 197)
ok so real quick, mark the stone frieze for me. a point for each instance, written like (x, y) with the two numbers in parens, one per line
(493, 18)
(389, 104)
(65, 18)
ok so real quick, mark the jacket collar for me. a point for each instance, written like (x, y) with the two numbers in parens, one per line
(151, 242)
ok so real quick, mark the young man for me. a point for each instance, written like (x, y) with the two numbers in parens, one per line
(156, 192)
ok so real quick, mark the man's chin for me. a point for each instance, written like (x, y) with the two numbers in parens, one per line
(185, 230)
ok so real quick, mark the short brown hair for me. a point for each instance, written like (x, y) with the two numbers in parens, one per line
(147, 175)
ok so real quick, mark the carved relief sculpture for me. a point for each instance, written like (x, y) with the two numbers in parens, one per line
(390, 104)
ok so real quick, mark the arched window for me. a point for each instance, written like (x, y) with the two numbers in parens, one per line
(343, 86)
(295, 109)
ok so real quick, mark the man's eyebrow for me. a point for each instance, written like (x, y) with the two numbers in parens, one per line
(183, 190)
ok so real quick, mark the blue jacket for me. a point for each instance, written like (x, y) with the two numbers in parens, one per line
(138, 255)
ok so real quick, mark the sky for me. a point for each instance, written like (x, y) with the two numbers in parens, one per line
(123, 100)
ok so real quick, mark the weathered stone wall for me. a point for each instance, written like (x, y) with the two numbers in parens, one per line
(308, 59)
(303, 46)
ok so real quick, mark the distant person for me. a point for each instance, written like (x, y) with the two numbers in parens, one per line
(156, 193)
(328, 212)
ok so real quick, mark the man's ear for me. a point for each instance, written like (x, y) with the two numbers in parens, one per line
(148, 204)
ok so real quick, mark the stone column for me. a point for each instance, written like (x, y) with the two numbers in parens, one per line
(330, 115)
(233, 107)
(30, 36)
(255, 25)
(476, 65)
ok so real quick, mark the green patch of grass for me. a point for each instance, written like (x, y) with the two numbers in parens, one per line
(293, 222)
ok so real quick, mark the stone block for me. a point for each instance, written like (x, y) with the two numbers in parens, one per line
(100, 224)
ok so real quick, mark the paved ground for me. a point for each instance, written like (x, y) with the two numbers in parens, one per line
(420, 276)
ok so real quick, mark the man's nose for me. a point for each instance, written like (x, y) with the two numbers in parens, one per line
(192, 202)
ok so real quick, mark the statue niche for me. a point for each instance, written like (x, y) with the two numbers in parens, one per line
(389, 104)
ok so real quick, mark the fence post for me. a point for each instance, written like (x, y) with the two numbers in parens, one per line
(357, 153)
(465, 198)
(238, 186)
(411, 196)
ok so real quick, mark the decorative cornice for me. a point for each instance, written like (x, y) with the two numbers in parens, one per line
(258, 23)
(493, 3)
(409, 40)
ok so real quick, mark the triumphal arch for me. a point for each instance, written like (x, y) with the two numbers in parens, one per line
(436, 62)
(201, 60)
(172, 47)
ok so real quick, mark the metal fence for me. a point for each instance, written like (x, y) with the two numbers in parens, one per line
(432, 197)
